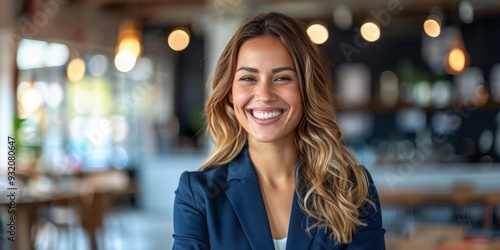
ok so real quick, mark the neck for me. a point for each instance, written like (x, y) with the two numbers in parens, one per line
(274, 164)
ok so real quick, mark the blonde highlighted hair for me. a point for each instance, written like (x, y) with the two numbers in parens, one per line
(333, 185)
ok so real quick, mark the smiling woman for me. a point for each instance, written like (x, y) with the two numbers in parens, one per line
(279, 176)
(265, 93)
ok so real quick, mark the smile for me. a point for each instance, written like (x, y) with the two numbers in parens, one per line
(264, 115)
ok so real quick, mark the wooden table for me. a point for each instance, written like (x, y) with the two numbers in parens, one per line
(92, 209)
(25, 216)
(92, 202)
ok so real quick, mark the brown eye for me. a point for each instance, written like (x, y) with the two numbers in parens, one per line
(247, 79)
(283, 78)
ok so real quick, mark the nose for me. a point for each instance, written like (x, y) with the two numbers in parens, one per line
(265, 92)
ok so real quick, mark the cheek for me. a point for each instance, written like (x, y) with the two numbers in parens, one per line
(239, 97)
(294, 98)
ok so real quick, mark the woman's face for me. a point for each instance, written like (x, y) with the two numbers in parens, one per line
(265, 92)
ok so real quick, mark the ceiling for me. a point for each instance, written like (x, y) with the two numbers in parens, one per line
(97, 21)
(183, 12)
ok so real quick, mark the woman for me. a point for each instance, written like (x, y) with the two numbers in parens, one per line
(279, 177)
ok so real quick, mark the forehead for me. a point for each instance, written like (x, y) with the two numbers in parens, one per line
(264, 50)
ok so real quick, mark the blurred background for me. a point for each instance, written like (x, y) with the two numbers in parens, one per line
(104, 101)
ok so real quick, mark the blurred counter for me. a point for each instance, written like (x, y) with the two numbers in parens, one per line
(431, 178)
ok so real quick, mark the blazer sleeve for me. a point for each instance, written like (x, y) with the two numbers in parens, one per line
(190, 222)
(372, 236)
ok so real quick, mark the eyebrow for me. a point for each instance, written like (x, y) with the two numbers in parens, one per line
(275, 70)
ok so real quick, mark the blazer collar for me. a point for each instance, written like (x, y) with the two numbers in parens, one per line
(241, 167)
(245, 196)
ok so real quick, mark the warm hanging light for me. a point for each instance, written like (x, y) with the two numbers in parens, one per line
(318, 33)
(131, 43)
(432, 26)
(125, 60)
(178, 39)
(76, 69)
(370, 31)
(129, 47)
(129, 37)
(456, 61)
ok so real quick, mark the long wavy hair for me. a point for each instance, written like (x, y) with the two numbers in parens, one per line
(333, 185)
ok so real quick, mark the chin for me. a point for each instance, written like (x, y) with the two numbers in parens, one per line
(264, 138)
(268, 137)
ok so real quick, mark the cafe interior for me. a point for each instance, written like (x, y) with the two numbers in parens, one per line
(101, 110)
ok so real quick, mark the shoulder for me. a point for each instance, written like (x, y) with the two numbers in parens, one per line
(366, 172)
(361, 174)
(372, 190)
(371, 211)
(204, 183)
(206, 177)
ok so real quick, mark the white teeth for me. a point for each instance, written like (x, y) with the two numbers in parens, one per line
(265, 115)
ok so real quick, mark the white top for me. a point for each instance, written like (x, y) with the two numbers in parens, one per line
(280, 244)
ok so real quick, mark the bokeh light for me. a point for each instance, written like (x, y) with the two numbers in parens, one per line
(55, 54)
(178, 39)
(129, 37)
(76, 69)
(120, 128)
(482, 94)
(432, 27)
(125, 60)
(56, 95)
(21, 88)
(342, 17)
(389, 88)
(422, 93)
(83, 102)
(466, 11)
(30, 100)
(445, 123)
(132, 43)
(485, 142)
(370, 31)
(119, 157)
(411, 120)
(318, 33)
(441, 94)
(98, 65)
(30, 54)
(456, 61)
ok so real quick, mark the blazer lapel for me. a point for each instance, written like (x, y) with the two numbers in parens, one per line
(244, 194)
(298, 237)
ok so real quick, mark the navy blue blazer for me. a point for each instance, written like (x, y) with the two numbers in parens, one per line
(222, 208)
